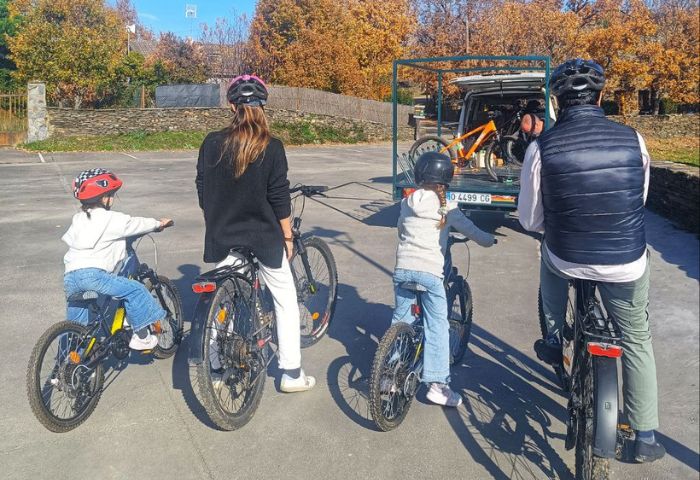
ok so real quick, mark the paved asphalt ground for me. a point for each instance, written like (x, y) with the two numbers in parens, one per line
(149, 424)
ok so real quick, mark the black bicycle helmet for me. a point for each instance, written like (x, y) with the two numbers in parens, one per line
(435, 168)
(247, 90)
(577, 78)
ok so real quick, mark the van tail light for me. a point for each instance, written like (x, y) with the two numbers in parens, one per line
(598, 349)
(203, 287)
(415, 310)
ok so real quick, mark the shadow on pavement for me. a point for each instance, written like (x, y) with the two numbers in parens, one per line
(184, 376)
(675, 246)
(505, 423)
(358, 325)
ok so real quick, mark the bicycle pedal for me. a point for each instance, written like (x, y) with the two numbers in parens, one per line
(146, 352)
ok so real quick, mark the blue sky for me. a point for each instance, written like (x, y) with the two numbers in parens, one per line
(169, 15)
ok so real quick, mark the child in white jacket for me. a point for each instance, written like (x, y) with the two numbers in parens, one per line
(96, 243)
(424, 226)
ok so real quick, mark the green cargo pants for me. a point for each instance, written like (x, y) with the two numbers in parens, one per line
(628, 304)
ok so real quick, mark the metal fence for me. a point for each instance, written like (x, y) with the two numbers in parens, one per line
(13, 117)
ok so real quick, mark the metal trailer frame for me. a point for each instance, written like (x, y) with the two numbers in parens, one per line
(424, 64)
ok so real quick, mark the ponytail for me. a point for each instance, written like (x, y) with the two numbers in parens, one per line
(441, 192)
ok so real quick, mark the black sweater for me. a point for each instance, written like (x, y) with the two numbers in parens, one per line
(245, 211)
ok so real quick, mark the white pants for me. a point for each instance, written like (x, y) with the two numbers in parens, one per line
(280, 283)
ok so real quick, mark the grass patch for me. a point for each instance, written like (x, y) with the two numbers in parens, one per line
(301, 132)
(135, 141)
(678, 149)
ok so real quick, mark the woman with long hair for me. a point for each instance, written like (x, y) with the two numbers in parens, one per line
(244, 193)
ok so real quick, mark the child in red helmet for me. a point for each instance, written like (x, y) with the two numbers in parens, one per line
(96, 243)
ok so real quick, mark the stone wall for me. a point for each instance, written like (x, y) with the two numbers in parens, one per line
(674, 192)
(662, 126)
(72, 123)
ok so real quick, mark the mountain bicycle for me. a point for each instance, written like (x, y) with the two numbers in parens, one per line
(398, 362)
(66, 367)
(234, 326)
(497, 143)
(589, 373)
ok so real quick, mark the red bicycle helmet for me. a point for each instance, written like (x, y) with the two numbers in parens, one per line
(95, 183)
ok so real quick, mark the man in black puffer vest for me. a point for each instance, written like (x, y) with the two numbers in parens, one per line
(583, 184)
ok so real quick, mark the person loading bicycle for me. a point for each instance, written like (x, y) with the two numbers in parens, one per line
(423, 229)
(584, 184)
(244, 192)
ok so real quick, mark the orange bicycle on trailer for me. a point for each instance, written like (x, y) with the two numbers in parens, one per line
(497, 147)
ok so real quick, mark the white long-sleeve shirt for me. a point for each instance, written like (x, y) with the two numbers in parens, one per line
(531, 216)
(422, 244)
(100, 241)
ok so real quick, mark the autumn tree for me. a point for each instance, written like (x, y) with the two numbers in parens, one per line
(7, 29)
(672, 56)
(129, 15)
(72, 45)
(182, 60)
(227, 46)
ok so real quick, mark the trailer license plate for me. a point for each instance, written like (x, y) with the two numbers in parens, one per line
(464, 197)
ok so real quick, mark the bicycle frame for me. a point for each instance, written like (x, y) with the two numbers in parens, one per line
(107, 308)
(487, 130)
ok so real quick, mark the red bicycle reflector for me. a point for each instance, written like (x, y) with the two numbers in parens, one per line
(407, 192)
(415, 310)
(203, 287)
(604, 350)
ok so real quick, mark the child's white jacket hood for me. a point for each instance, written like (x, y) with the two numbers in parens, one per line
(100, 240)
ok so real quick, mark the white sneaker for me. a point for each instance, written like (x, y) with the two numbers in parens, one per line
(148, 343)
(442, 394)
(300, 384)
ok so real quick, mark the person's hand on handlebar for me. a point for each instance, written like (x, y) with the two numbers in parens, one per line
(165, 223)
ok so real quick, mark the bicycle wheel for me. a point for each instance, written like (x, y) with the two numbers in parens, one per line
(497, 162)
(170, 330)
(588, 465)
(317, 299)
(392, 383)
(231, 378)
(461, 312)
(514, 147)
(431, 143)
(62, 391)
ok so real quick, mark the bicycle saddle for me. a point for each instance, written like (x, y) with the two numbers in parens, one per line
(413, 286)
(85, 296)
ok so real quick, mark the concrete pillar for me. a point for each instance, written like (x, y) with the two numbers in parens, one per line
(37, 114)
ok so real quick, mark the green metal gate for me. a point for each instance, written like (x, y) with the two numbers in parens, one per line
(13, 118)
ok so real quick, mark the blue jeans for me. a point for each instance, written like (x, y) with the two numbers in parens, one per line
(141, 308)
(436, 358)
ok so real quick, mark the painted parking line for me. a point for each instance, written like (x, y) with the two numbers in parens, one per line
(41, 157)
(128, 155)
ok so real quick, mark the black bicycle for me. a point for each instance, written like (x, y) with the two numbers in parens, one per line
(234, 326)
(398, 362)
(66, 367)
(589, 373)
(314, 271)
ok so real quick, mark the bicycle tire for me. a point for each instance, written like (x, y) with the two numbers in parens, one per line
(175, 323)
(588, 465)
(414, 150)
(397, 331)
(465, 316)
(34, 390)
(206, 390)
(306, 315)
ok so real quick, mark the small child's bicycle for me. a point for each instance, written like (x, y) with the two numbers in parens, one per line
(66, 368)
(398, 363)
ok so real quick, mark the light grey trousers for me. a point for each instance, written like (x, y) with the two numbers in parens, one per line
(628, 304)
